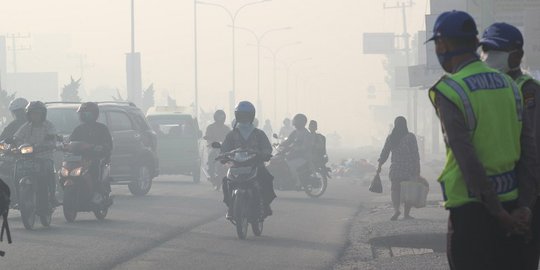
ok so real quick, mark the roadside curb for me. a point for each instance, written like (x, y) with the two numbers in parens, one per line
(374, 242)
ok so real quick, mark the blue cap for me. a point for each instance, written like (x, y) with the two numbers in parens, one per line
(454, 24)
(502, 37)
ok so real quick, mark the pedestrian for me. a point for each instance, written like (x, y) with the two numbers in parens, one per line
(405, 162)
(502, 49)
(480, 110)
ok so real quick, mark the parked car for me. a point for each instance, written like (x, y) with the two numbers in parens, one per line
(134, 160)
(178, 135)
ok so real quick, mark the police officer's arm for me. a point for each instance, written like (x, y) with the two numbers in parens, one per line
(459, 140)
(528, 165)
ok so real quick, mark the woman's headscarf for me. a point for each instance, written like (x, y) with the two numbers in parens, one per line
(399, 131)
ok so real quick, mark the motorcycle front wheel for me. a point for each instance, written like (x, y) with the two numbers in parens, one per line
(240, 217)
(70, 204)
(27, 206)
(317, 189)
(46, 219)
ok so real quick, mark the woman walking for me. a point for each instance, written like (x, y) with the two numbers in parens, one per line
(405, 162)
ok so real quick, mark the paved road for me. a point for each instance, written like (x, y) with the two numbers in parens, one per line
(180, 225)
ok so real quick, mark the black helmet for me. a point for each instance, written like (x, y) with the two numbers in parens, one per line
(244, 112)
(36, 107)
(220, 116)
(299, 121)
(88, 112)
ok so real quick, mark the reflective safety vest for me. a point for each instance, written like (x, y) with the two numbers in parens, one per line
(492, 106)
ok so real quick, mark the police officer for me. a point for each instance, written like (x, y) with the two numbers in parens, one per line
(17, 108)
(245, 134)
(481, 115)
(502, 49)
(97, 134)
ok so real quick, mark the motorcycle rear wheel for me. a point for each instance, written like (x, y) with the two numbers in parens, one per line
(101, 213)
(316, 192)
(28, 206)
(46, 219)
(257, 228)
(240, 217)
(70, 204)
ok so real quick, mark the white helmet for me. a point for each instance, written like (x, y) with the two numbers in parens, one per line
(18, 104)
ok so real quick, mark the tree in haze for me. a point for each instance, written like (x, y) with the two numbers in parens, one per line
(148, 98)
(5, 99)
(70, 92)
(118, 96)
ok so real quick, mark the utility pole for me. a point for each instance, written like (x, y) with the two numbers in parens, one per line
(412, 109)
(15, 49)
(196, 61)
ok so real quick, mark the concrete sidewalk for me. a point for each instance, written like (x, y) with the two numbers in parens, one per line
(378, 243)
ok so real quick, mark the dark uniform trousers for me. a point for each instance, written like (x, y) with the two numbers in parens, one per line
(476, 241)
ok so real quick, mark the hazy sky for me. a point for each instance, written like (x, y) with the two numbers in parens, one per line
(330, 88)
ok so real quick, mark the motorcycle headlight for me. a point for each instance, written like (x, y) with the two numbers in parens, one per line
(76, 172)
(64, 172)
(27, 150)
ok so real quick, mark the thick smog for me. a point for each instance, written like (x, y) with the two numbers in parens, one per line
(267, 134)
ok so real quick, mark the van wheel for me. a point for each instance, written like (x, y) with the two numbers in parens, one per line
(142, 185)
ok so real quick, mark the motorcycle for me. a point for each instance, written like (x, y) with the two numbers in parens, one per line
(77, 184)
(247, 202)
(216, 171)
(28, 171)
(313, 179)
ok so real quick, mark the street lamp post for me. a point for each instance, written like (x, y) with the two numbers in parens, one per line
(259, 39)
(274, 57)
(233, 17)
(288, 70)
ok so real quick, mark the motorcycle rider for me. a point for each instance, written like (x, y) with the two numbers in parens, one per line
(40, 133)
(97, 134)
(319, 155)
(216, 132)
(298, 146)
(245, 134)
(286, 130)
(17, 108)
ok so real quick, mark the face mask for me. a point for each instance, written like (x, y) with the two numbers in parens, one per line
(447, 56)
(497, 60)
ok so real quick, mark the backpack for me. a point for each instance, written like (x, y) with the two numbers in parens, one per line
(4, 210)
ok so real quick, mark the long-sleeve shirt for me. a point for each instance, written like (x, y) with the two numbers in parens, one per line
(42, 135)
(458, 138)
(405, 161)
(529, 186)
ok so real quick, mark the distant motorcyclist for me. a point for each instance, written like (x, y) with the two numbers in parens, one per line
(17, 107)
(245, 134)
(267, 128)
(298, 146)
(40, 133)
(319, 157)
(98, 135)
(286, 130)
(216, 132)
